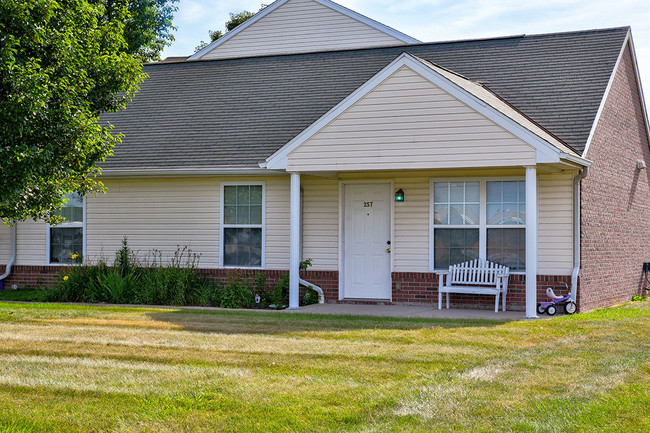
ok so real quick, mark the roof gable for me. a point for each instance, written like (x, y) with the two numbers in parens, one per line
(295, 26)
(442, 89)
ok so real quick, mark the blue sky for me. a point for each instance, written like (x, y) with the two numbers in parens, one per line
(438, 20)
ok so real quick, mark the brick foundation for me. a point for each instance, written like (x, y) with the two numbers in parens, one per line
(418, 288)
(408, 287)
(31, 277)
(615, 211)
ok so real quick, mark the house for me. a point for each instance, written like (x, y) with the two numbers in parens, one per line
(291, 136)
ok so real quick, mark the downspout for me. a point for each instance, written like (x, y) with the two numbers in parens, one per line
(13, 255)
(576, 231)
(321, 295)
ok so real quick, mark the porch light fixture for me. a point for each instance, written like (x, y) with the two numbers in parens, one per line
(399, 195)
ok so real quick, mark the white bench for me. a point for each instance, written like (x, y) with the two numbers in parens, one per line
(476, 277)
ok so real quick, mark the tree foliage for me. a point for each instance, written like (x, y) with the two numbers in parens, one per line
(235, 20)
(62, 63)
(147, 27)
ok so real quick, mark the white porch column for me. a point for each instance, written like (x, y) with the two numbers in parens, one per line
(294, 243)
(531, 242)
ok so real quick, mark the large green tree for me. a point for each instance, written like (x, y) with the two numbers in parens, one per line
(62, 63)
(147, 27)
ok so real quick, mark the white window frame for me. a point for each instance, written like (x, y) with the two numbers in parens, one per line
(222, 225)
(482, 226)
(66, 225)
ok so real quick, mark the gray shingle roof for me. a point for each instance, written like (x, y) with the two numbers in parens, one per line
(236, 113)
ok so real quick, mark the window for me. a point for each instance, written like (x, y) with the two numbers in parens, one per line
(479, 219)
(67, 239)
(242, 225)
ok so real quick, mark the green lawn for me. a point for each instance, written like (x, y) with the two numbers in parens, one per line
(89, 369)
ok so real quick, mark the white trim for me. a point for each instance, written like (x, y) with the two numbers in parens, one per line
(221, 223)
(532, 231)
(370, 22)
(482, 226)
(185, 172)
(628, 41)
(546, 152)
(294, 242)
(64, 225)
(341, 230)
(640, 87)
(334, 6)
(252, 20)
(605, 95)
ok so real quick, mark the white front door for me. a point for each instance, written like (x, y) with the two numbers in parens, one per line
(366, 241)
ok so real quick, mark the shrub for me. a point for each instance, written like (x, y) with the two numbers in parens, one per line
(637, 298)
(278, 296)
(311, 297)
(78, 284)
(236, 294)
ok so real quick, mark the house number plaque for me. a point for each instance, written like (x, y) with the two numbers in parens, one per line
(367, 204)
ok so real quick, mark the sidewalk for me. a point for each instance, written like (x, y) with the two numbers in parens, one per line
(408, 311)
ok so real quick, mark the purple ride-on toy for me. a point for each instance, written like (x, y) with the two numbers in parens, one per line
(550, 308)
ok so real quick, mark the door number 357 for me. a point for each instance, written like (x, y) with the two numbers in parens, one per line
(367, 204)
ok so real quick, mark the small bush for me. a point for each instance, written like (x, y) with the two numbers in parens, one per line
(278, 296)
(237, 293)
(311, 297)
(637, 298)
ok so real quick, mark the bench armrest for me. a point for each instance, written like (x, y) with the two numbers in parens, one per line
(441, 277)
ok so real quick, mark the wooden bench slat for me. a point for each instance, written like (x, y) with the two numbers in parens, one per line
(475, 277)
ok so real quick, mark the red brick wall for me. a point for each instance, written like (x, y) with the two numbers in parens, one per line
(408, 287)
(31, 277)
(615, 211)
(415, 287)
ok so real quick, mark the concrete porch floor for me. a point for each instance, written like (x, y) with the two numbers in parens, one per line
(408, 311)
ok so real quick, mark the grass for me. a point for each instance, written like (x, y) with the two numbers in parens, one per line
(23, 295)
(78, 369)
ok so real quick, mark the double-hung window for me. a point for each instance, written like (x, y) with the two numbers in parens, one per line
(479, 219)
(66, 240)
(242, 224)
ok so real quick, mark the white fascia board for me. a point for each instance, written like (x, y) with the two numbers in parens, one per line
(640, 86)
(252, 20)
(369, 21)
(606, 94)
(581, 161)
(334, 6)
(546, 152)
(187, 172)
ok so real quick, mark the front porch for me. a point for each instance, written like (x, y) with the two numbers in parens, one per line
(408, 312)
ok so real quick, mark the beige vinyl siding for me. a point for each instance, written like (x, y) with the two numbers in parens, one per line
(555, 224)
(31, 243)
(407, 122)
(300, 26)
(5, 244)
(165, 213)
(320, 215)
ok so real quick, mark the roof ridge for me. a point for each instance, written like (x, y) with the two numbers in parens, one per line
(406, 46)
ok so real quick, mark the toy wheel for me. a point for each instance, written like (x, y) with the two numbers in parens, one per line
(540, 309)
(551, 310)
(570, 307)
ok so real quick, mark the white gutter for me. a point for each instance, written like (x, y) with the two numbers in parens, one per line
(178, 172)
(321, 295)
(576, 232)
(12, 260)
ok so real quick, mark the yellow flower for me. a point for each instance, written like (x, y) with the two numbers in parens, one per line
(74, 256)
(66, 278)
